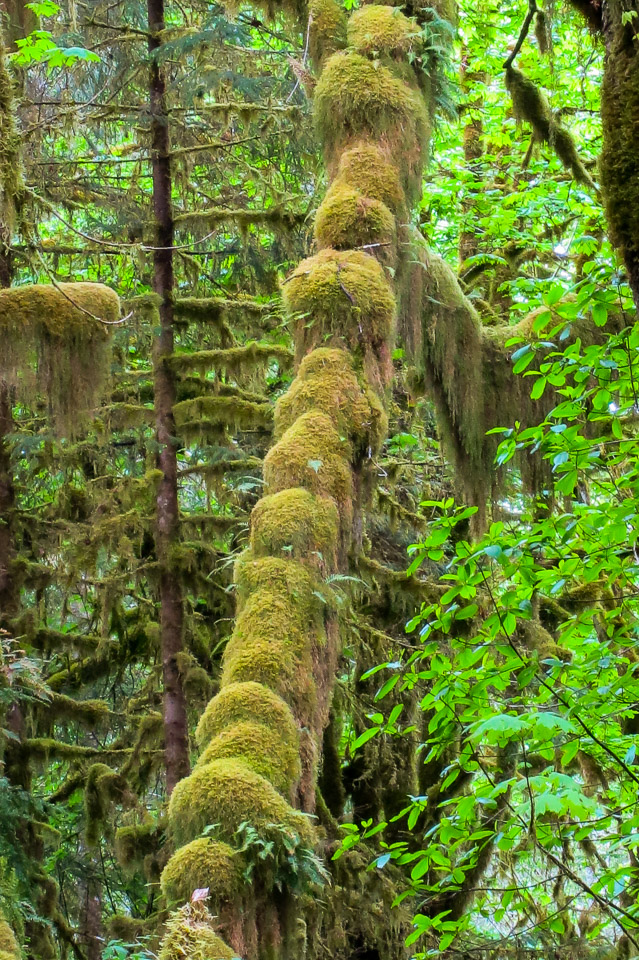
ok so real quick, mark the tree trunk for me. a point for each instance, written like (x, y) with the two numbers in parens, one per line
(167, 511)
(620, 118)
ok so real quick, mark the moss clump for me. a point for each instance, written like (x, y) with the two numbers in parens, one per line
(356, 97)
(378, 30)
(530, 105)
(8, 942)
(348, 219)
(134, 843)
(342, 297)
(202, 863)
(190, 936)
(288, 579)
(365, 168)
(295, 523)
(327, 30)
(261, 747)
(327, 382)
(313, 455)
(240, 702)
(228, 793)
(49, 344)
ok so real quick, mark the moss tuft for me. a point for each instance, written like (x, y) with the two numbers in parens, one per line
(365, 168)
(356, 97)
(190, 936)
(202, 863)
(8, 942)
(347, 219)
(261, 747)
(380, 30)
(240, 702)
(134, 843)
(327, 30)
(327, 382)
(313, 455)
(297, 524)
(341, 298)
(228, 793)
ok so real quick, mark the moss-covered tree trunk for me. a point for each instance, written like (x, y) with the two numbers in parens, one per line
(620, 116)
(261, 735)
(167, 512)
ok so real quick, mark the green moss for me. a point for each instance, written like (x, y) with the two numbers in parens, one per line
(327, 382)
(340, 297)
(327, 30)
(202, 863)
(347, 219)
(249, 701)
(378, 30)
(228, 793)
(136, 842)
(269, 642)
(530, 105)
(357, 98)
(103, 786)
(8, 942)
(295, 523)
(313, 455)
(232, 412)
(263, 748)
(282, 577)
(11, 180)
(48, 345)
(365, 167)
(190, 936)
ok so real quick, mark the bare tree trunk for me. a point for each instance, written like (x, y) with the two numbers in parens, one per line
(167, 511)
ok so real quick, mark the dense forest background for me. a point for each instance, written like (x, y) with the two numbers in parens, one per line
(319, 494)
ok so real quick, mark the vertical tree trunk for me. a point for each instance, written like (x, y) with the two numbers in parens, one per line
(167, 513)
(473, 150)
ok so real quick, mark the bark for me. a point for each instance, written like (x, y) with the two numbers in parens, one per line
(167, 511)
(90, 933)
(620, 118)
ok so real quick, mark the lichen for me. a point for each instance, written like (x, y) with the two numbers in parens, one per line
(228, 793)
(365, 167)
(378, 30)
(239, 702)
(313, 455)
(191, 936)
(263, 748)
(295, 523)
(348, 219)
(327, 30)
(200, 864)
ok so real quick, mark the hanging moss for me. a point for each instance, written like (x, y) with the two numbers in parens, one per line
(228, 793)
(136, 842)
(263, 748)
(327, 30)
(313, 455)
(530, 105)
(233, 360)
(327, 382)
(358, 98)
(200, 864)
(48, 344)
(340, 298)
(298, 524)
(103, 786)
(365, 168)
(347, 219)
(191, 936)
(230, 412)
(377, 30)
(239, 702)
(92, 713)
